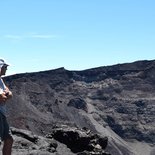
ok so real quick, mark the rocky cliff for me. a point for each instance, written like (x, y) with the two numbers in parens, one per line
(113, 101)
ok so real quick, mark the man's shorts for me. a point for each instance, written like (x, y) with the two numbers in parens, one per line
(4, 128)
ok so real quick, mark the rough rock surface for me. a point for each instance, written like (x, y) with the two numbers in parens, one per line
(81, 141)
(62, 140)
(114, 101)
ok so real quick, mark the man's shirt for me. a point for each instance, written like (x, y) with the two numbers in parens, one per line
(2, 105)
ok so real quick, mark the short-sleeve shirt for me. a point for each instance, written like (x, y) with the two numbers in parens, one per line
(2, 105)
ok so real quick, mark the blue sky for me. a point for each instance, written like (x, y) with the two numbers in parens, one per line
(37, 35)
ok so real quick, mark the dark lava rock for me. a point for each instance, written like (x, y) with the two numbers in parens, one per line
(78, 103)
(75, 140)
(80, 140)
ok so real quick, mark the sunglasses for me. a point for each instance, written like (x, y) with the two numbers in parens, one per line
(5, 66)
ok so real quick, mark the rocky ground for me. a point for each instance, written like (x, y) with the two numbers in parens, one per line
(113, 101)
(61, 140)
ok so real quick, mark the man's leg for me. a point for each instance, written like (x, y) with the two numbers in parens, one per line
(7, 146)
(7, 138)
(1, 128)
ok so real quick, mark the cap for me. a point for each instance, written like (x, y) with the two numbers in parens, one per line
(2, 63)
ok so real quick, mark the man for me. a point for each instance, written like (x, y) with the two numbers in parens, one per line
(5, 94)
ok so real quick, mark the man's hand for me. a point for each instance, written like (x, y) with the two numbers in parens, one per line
(8, 94)
(3, 97)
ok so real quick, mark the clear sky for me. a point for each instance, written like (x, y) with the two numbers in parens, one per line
(38, 35)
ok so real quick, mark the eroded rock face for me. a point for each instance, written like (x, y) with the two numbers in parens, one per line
(119, 98)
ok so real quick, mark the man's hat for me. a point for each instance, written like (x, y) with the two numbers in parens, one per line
(3, 63)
